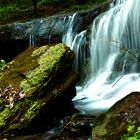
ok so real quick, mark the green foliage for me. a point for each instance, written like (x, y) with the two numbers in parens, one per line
(133, 132)
(80, 7)
(131, 127)
(44, 2)
(9, 11)
(12, 10)
(7, 8)
(100, 1)
(3, 65)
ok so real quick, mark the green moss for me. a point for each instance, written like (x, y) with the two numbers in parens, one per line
(14, 127)
(39, 51)
(4, 115)
(8, 113)
(22, 104)
(33, 111)
(49, 62)
(13, 115)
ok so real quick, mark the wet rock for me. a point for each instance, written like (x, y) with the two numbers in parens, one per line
(35, 88)
(17, 37)
(121, 122)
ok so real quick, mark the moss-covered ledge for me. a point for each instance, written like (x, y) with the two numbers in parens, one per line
(33, 83)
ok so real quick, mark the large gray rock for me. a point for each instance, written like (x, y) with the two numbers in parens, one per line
(15, 37)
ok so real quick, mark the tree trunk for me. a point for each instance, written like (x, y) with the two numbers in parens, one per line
(35, 7)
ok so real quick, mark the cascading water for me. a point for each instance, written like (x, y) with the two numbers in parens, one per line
(76, 41)
(115, 57)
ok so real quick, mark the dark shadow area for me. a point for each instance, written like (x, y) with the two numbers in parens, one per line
(10, 49)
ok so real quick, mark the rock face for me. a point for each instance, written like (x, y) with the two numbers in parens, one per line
(121, 122)
(16, 37)
(34, 86)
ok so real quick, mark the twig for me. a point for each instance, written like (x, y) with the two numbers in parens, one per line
(117, 80)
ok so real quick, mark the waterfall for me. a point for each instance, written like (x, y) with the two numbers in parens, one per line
(114, 57)
(76, 41)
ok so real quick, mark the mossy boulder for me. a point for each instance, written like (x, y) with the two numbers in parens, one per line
(121, 122)
(33, 85)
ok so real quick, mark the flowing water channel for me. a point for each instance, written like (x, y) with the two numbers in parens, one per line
(114, 60)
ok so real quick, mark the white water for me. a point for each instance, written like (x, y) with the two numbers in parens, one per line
(115, 54)
(75, 41)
